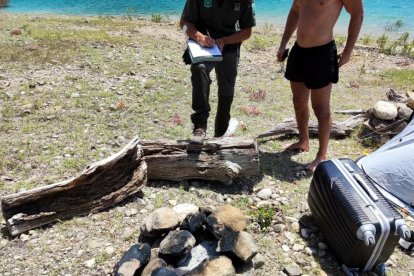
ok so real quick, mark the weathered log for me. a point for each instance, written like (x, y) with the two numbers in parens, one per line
(216, 159)
(99, 186)
(339, 130)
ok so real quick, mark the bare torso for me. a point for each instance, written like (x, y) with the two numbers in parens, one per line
(317, 19)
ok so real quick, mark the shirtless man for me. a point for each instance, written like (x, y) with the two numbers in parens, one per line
(313, 63)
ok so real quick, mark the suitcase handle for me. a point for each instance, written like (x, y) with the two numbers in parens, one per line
(367, 189)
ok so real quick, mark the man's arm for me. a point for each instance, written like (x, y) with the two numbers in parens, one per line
(356, 10)
(237, 37)
(194, 34)
(291, 26)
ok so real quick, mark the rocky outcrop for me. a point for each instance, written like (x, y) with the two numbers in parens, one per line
(222, 246)
(387, 118)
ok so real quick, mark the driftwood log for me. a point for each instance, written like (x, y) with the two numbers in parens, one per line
(217, 159)
(113, 179)
(339, 130)
(99, 186)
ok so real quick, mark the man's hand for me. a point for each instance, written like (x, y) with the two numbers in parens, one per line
(280, 53)
(343, 58)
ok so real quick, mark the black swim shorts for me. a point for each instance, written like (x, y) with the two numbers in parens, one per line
(316, 67)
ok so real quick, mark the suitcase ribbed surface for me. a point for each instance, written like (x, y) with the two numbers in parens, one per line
(338, 229)
(351, 205)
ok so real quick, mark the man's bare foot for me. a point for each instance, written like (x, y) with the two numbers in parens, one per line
(312, 166)
(298, 146)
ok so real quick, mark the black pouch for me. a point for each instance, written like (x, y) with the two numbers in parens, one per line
(186, 57)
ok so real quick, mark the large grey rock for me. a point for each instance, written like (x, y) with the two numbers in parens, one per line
(220, 266)
(160, 221)
(154, 264)
(224, 219)
(136, 257)
(385, 110)
(240, 245)
(177, 243)
(206, 250)
(185, 209)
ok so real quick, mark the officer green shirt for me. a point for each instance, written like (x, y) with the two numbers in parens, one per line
(219, 18)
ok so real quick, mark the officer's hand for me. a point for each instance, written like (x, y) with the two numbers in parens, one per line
(205, 41)
(220, 43)
(209, 42)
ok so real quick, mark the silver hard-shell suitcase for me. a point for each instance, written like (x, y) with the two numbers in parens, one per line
(360, 225)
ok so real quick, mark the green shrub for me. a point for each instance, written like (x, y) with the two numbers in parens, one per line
(263, 216)
(129, 13)
(382, 41)
(157, 18)
(367, 39)
(258, 43)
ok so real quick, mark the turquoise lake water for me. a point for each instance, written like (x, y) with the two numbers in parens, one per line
(378, 13)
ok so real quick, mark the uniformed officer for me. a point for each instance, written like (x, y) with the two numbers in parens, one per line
(226, 23)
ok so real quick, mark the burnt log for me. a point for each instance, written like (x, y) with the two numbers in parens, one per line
(339, 130)
(113, 179)
(99, 186)
(220, 159)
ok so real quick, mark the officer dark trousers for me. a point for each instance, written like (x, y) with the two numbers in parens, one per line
(226, 73)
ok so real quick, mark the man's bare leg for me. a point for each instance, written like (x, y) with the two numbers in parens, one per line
(320, 99)
(300, 103)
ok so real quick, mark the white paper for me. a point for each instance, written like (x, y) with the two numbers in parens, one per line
(199, 53)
